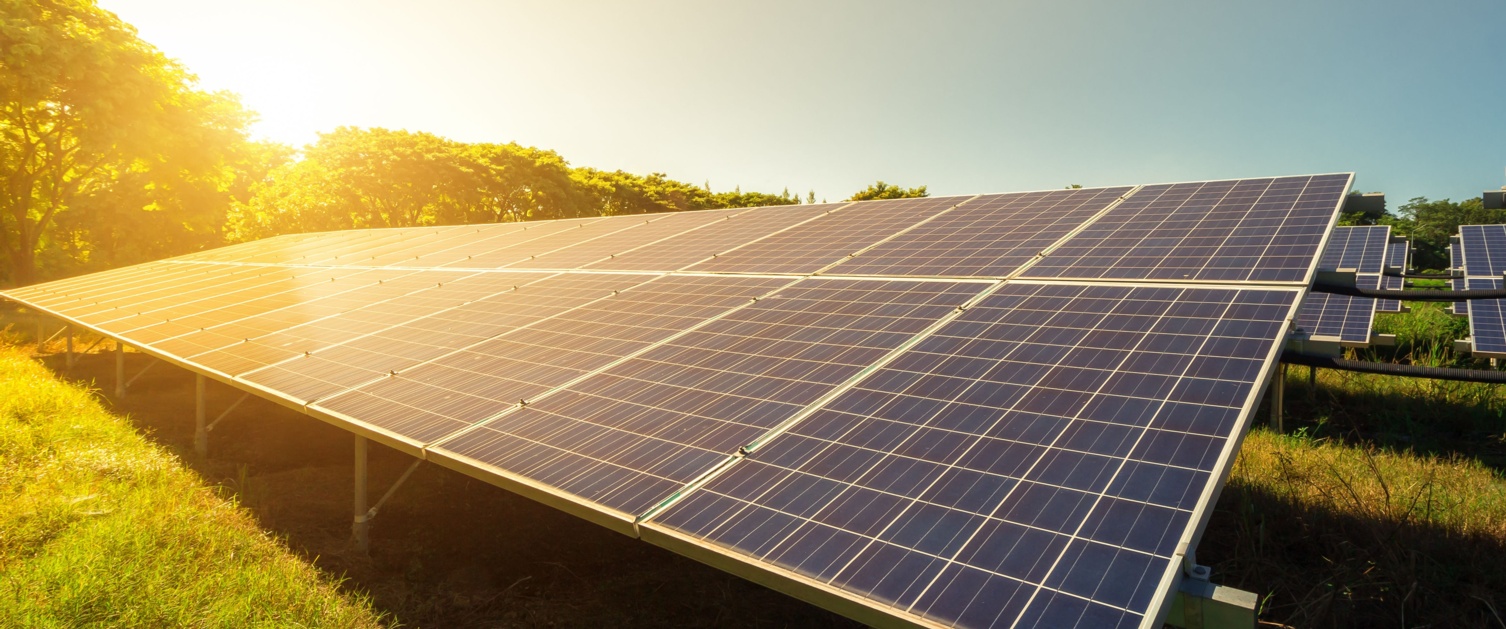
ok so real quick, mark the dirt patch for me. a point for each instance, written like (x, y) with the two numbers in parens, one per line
(447, 550)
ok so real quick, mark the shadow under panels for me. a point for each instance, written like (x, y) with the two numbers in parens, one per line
(627, 438)
(1034, 463)
(989, 236)
(1247, 230)
(453, 391)
(826, 240)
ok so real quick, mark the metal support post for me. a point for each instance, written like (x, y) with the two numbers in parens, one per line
(360, 526)
(200, 434)
(41, 340)
(69, 360)
(1312, 383)
(120, 381)
(1278, 390)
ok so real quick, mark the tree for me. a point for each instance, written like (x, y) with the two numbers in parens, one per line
(95, 119)
(1430, 224)
(881, 190)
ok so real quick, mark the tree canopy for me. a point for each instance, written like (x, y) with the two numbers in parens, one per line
(109, 153)
(882, 190)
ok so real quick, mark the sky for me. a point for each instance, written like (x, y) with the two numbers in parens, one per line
(962, 97)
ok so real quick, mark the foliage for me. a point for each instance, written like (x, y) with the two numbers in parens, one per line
(1430, 223)
(882, 190)
(98, 527)
(109, 153)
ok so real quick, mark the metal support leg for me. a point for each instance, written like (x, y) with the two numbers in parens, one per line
(1312, 383)
(69, 360)
(1278, 390)
(200, 434)
(41, 340)
(360, 526)
(120, 381)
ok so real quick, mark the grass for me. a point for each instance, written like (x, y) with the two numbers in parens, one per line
(99, 527)
(1385, 504)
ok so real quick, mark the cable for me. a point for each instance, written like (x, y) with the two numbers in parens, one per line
(1393, 369)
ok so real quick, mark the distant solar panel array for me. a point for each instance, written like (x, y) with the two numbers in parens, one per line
(998, 410)
(1480, 252)
(1368, 252)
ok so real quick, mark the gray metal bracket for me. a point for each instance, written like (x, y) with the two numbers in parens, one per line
(1200, 604)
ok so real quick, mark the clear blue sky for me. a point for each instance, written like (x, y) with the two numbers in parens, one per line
(830, 96)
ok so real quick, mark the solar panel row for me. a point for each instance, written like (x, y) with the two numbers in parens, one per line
(964, 452)
(1480, 251)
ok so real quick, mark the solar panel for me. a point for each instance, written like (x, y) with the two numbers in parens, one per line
(879, 439)
(1342, 318)
(1249, 230)
(1399, 255)
(632, 435)
(1484, 250)
(826, 240)
(739, 229)
(462, 388)
(1034, 463)
(1487, 320)
(1362, 249)
(990, 236)
(1390, 282)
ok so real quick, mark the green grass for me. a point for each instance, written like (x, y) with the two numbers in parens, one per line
(1385, 502)
(98, 527)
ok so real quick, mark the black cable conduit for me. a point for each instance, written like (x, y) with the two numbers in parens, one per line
(1393, 369)
(1411, 295)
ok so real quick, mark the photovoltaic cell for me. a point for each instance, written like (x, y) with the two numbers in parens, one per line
(1484, 250)
(739, 229)
(455, 391)
(1359, 248)
(632, 435)
(1390, 282)
(812, 246)
(1399, 255)
(1343, 317)
(1033, 464)
(1487, 319)
(653, 228)
(989, 236)
(1249, 230)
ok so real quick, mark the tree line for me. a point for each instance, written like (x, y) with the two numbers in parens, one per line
(111, 155)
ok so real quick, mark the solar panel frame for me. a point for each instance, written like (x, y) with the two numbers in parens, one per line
(1484, 250)
(1361, 248)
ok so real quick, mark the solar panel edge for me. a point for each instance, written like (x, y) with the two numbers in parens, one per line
(867, 611)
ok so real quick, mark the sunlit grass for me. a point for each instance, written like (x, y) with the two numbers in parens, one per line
(100, 528)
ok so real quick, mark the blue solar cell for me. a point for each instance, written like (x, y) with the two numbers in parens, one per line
(1011, 453)
(1343, 317)
(988, 236)
(1227, 231)
(1399, 255)
(1487, 319)
(1361, 248)
(1484, 250)
(631, 435)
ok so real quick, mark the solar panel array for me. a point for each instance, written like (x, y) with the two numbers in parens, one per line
(1349, 319)
(1481, 254)
(865, 405)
